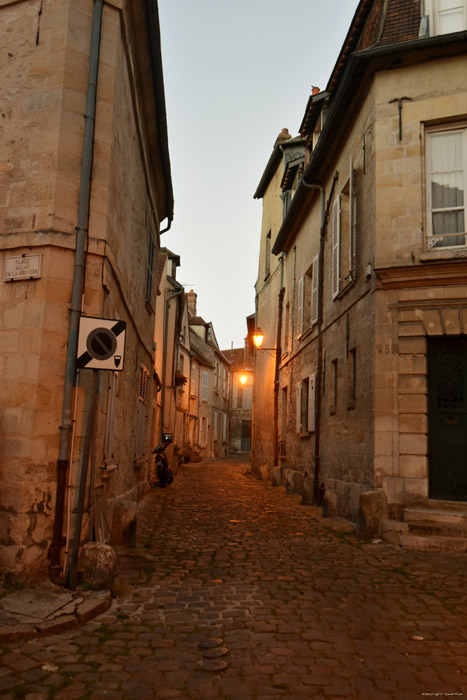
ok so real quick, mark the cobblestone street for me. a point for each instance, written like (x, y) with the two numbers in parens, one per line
(294, 606)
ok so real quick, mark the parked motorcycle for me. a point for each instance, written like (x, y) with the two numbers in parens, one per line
(163, 471)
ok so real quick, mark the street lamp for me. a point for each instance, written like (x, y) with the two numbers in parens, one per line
(243, 379)
(258, 338)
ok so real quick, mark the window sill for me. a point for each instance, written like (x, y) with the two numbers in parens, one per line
(304, 435)
(344, 290)
(351, 405)
(332, 410)
(444, 254)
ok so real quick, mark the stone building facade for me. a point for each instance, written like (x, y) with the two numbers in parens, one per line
(241, 398)
(373, 357)
(82, 93)
(210, 383)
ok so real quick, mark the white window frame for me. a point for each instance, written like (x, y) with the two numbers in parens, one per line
(340, 282)
(433, 9)
(431, 239)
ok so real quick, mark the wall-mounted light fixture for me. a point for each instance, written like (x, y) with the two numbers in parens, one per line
(243, 379)
(258, 339)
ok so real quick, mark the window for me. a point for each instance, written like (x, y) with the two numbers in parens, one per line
(225, 384)
(286, 330)
(267, 256)
(216, 374)
(334, 384)
(308, 289)
(205, 386)
(224, 427)
(149, 267)
(194, 381)
(352, 375)
(239, 397)
(446, 162)
(446, 16)
(306, 405)
(343, 237)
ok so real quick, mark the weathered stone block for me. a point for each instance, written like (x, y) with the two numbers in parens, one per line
(392, 530)
(330, 504)
(308, 491)
(98, 565)
(372, 510)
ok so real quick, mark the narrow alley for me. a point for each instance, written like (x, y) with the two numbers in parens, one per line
(236, 591)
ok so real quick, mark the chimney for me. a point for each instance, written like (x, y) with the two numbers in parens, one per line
(283, 136)
(191, 297)
(315, 90)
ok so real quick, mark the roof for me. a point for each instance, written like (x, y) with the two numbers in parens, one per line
(383, 34)
(240, 358)
(274, 161)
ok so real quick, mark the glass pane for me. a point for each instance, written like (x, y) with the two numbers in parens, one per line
(448, 222)
(446, 152)
(447, 190)
(448, 242)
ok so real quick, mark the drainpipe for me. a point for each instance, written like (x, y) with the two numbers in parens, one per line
(169, 296)
(319, 364)
(278, 360)
(77, 290)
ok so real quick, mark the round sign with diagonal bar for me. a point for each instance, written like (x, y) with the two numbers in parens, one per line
(101, 343)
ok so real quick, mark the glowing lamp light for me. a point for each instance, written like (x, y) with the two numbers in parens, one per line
(243, 379)
(258, 338)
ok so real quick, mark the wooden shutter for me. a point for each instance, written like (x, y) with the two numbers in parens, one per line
(335, 246)
(352, 227)
(314, 290)
(312, 403)
(300, 303)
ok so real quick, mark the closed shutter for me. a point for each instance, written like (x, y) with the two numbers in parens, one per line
(299, 409)
(300, 304)
(335, 243)
(352, 221)
(314, 290)
(312, 403)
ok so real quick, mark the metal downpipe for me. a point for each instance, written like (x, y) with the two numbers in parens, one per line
(77, 288)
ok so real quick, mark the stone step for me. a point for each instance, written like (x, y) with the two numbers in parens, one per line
(438, 517)
(433, 543)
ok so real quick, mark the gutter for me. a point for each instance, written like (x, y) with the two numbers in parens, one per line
(77, 290)
(152, 13)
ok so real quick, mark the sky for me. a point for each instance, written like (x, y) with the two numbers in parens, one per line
(236, 72)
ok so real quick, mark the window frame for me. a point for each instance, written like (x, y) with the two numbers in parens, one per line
(342, 280)
(432, 239)
(434, 17)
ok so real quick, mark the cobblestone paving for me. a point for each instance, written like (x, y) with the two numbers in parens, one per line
(297, 607)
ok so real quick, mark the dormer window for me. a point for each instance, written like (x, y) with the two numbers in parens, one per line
(446, 16)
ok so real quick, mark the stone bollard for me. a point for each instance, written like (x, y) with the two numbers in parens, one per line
(98, 565)
(372, 510)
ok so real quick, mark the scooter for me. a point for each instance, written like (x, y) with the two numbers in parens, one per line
(163, 471)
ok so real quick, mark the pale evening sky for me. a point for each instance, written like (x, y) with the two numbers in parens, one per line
(235, 72)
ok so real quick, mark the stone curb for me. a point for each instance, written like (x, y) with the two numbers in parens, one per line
(86, 610)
